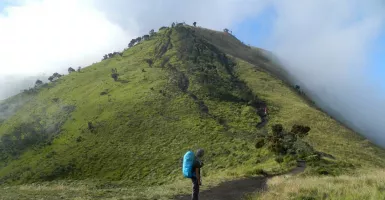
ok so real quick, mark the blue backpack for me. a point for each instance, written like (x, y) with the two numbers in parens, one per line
(188, 163)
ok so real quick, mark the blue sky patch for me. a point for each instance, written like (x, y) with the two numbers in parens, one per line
(377, 59)
(257, 29)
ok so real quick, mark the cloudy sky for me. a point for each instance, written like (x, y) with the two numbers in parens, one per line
(335, 48)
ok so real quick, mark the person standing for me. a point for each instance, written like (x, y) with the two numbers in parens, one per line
(197, 178)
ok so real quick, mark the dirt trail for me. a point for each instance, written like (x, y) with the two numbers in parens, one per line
(237, 189)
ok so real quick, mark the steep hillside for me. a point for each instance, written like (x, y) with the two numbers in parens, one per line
(181, 89)
(229, 44)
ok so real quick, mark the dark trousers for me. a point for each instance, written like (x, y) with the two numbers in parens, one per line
(195, 188)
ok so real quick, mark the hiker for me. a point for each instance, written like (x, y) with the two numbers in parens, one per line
(196, 180)
(191, 169)
(265, 112)
(262, 112)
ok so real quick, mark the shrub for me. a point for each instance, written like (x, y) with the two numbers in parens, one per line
(38, 83)
(260, 143)
(114, 74)
(90, 126)
(132, 43)
(282, 143)
(79, 139)
(279, 159)
(300, 131)
(149, 62)
(277, 130)
(152, 32)
(70, 70)
(146, 37)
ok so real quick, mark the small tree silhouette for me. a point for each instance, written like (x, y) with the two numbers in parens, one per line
(146, 37)
(195, 24)
(132, 43)
(70, 70)
(38, 83)
(149, 62)
(51, 78)
(152, 32)
(57, 75)
(54, 77)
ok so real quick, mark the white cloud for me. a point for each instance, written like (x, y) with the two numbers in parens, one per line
(326, 44)
(44, 36)
(149, 14)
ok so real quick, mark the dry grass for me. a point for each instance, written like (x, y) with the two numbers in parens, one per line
(365, 185)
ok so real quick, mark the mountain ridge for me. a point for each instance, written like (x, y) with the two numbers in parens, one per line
(182, 88)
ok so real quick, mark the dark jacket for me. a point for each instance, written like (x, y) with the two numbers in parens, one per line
(197, 164)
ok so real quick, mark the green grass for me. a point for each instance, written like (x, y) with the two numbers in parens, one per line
(326, 134)
(147, 121)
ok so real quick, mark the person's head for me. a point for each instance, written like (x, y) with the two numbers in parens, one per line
(200, 153)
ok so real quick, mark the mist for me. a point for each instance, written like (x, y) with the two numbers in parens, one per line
(324, 44)
(44, 37)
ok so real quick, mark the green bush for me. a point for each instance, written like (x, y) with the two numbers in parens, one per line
(260, 143)
(280, 142)
(279, 159)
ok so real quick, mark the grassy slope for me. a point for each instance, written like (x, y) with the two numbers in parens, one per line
(326, 135)
(141, 134)
(288, 108)
(232, 46)
(136, 122)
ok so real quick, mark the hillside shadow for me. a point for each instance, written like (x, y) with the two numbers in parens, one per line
(231, 190)
(241, 188)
